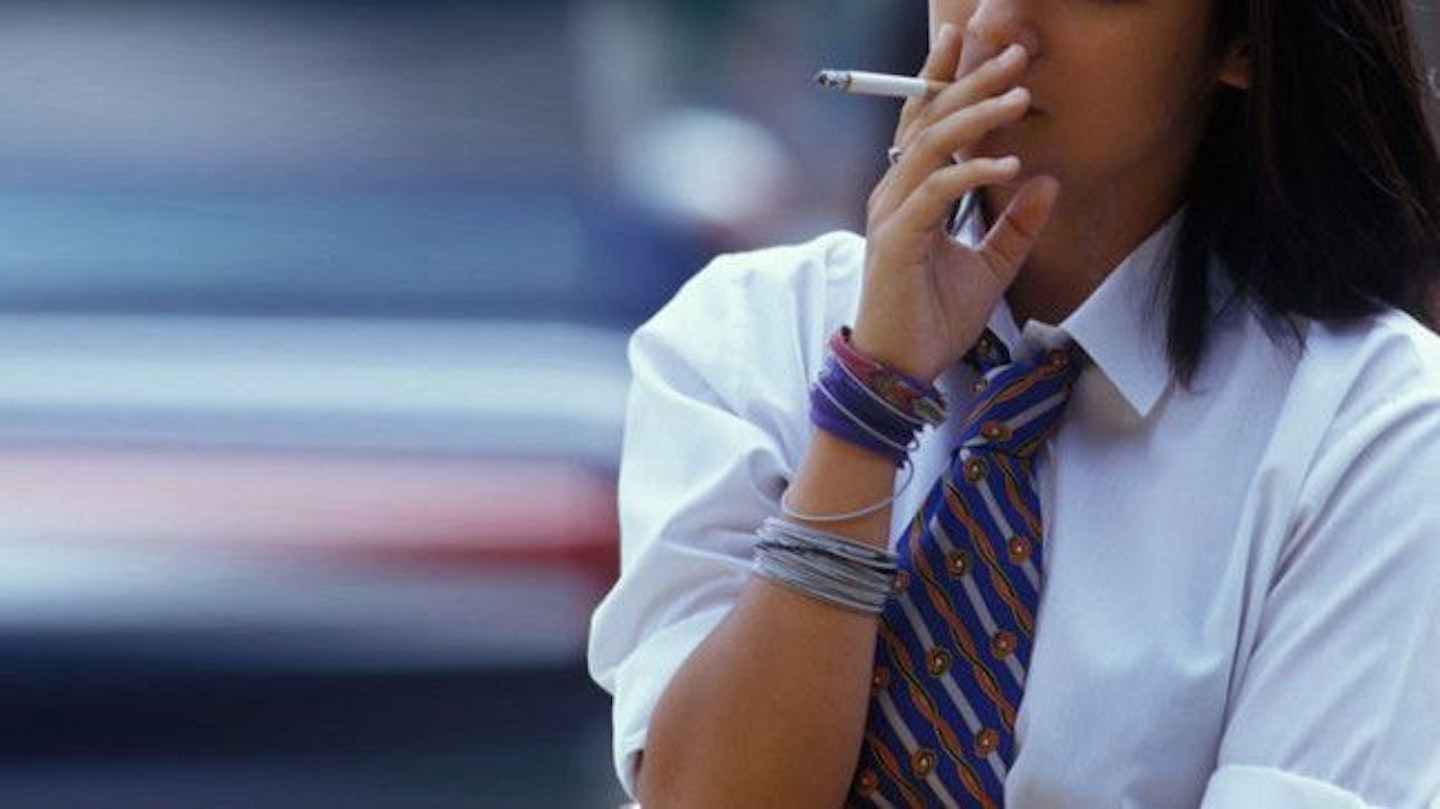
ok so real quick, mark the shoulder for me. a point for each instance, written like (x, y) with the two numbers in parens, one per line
(1375, 369)
(823, 273)
(756, 314)
(1378, 448)
(1345, 631)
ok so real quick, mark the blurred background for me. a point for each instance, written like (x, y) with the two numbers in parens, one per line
(312, 375)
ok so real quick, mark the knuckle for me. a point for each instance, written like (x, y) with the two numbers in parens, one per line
(934, 184)
(1017, 232)
(1008, 245)
(926, 140)
(964, 175)
(872, 204)
(1002, 255)
(904, 133)
(882, 201)
(877, 236)
(969, 172)
(968, 118)
(980, 83)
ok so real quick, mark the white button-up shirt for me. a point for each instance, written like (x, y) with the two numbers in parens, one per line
(1241, 604)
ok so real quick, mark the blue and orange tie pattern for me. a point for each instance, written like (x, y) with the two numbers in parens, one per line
(954, 643)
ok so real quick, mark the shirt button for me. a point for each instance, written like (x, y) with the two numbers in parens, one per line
(866, 782)
(1002, 644)
(975, 469)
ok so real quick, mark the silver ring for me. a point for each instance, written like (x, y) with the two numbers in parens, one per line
(893, 154)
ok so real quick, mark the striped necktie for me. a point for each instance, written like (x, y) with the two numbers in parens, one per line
(954, 642)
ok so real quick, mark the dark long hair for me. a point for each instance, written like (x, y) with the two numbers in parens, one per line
(1318, 188)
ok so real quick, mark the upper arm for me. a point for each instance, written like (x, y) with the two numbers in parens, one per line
(708, 448)
(1338, 701)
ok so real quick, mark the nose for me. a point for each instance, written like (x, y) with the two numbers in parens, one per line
(994, 25)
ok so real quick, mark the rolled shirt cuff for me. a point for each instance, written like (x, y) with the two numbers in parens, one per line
(1243, 786)
(643, 678)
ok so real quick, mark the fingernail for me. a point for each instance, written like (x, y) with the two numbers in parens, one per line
(944, 35)
(1012, 54)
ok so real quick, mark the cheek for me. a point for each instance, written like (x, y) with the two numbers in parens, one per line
(1146, 113)
(1147, 90)
(1176, 99)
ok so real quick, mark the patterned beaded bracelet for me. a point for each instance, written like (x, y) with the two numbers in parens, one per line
(843, 407)
(912, 398)
(865, 403)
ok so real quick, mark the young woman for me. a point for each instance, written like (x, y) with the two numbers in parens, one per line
(1212, 229)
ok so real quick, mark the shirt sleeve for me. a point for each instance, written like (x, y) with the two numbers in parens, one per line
(707, 453)
(1338, 702)
(1237, 786)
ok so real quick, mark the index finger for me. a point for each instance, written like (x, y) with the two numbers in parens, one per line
(940, 65)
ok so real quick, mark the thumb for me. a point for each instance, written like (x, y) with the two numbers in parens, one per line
(1013, 235)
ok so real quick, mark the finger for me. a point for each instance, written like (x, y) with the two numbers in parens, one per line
(929, 206)
(939, 143)
(1013, 235)
(936, 146)
(940, 65)
(995, 76)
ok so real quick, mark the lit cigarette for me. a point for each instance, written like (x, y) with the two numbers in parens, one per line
(878, 84)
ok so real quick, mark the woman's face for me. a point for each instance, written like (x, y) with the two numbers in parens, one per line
(1120, 87)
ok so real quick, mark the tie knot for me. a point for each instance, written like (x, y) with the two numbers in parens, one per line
(1021, 402)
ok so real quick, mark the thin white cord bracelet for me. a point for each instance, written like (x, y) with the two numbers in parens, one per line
(790, 512)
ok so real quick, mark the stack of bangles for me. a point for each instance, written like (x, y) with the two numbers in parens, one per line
(864, 403)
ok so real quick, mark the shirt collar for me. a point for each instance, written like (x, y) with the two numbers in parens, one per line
(1121, 326)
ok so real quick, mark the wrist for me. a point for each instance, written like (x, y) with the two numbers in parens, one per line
(912, 397)
(869, 404)
(892, 354)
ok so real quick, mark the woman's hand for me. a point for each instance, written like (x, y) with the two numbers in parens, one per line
(926, 297)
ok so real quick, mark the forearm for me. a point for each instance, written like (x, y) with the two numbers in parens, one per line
(770, 709)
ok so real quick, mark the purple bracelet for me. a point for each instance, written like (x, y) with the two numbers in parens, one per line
(826, 416)
(875, 412)
(843, 407)
(913, 397)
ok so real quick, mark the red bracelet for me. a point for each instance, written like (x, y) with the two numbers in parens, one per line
(911, 396)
